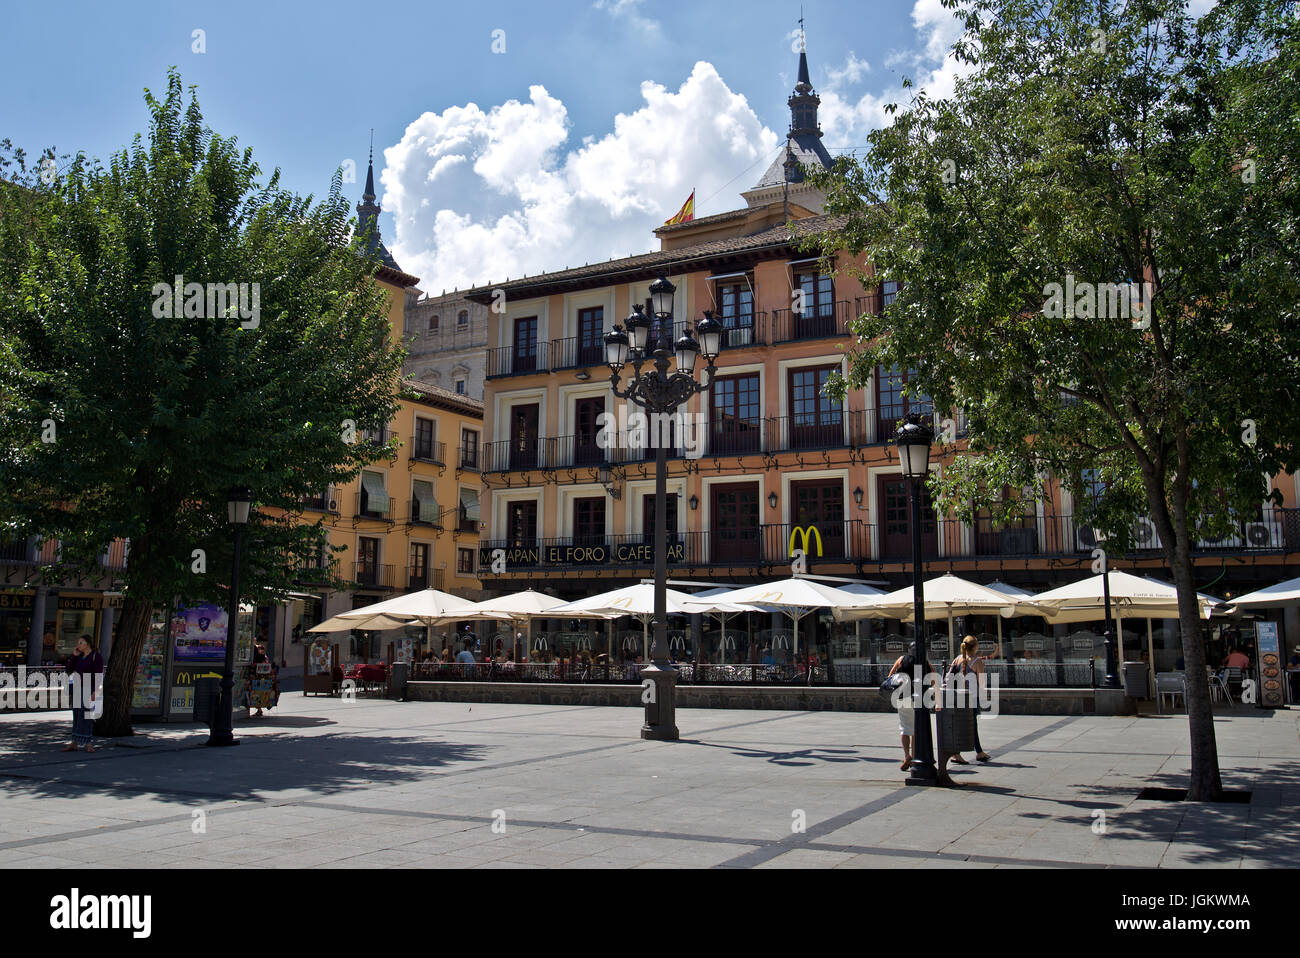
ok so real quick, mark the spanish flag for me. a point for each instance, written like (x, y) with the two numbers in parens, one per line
(686, 213)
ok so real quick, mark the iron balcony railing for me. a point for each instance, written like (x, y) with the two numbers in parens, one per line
(815, 321)
(469, 457)
(573, 352)
(367, 509)
(512, 361)
(314, 570)
(743, 329)
(857, 541)
(425, 512)
(324, 502)
(374, 576)
(513, 454)
(426, 451)
(422, 577)
(562, 452)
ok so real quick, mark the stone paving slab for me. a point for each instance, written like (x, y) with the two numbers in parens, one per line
(322, 783)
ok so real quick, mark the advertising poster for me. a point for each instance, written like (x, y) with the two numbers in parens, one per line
(199, 635)
(1271, 675)
(318, 657)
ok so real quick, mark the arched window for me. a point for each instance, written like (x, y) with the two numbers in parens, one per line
(433, 323)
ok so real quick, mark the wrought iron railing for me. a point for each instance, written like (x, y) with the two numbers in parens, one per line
(428, 451)
(518, 361)
(375, 576)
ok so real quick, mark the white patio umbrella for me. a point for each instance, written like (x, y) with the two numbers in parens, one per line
(375, 622)
(795, 598)
(1274, 596)
(427, 607)
(517, 607)
(708, 603)
(946, 597)
(1130, 595)
(635, 600)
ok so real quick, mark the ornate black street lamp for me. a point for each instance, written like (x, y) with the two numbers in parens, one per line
(661, 394)
(914, 439)
(237, 508)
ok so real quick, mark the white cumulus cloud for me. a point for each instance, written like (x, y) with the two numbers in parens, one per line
(481, 195)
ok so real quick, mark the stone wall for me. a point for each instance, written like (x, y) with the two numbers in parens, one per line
(791, 698)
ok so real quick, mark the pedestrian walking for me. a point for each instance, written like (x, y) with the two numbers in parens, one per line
(905, 665)
(968, 664)
(87, 668)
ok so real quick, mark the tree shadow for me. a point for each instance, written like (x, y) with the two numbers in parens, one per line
(797, 758)
(1212, 833)
(258, 769)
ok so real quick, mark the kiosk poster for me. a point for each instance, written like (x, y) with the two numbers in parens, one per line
(199, 635)
(318, 657)
(402, 649)
(1270, 665)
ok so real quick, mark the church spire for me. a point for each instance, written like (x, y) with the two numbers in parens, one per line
(369, 194)
(804, 101)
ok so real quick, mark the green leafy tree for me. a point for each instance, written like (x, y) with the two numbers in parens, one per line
(159, 411)
(1093, 145)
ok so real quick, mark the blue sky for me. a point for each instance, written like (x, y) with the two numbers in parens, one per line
(537, 174)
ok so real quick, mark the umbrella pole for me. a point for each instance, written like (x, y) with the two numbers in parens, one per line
(1151, 658)
(645, 637)
(951, 653)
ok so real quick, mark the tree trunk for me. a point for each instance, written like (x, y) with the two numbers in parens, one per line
(119, 683)
(1206, 783)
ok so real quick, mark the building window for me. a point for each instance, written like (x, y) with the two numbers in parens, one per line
(818, 504)
(469, 510)
(736, 313)
(889, 291)
(817, 299)
(589, 521)
(374, 498)
(525, 351)
(433, 323)
(419, 571)
(816, 420)
(591, 336)
(468, 449)
(462, 318)
(460, 386)
(736, 415)
(891, 402)
(424, 445)
(465, 561)
(368, 561)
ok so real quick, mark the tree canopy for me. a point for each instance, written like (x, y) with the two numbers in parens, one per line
(171, 328)
(1095, 157)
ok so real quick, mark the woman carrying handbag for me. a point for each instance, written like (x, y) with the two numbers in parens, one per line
(968, 664)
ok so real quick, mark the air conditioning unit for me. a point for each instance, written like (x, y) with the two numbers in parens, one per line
(1144, 534)
(1087, 538)
(1259, 535)
(1222, 540)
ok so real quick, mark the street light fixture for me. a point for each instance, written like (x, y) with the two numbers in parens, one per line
(659, 393)
(238, 505)
(914, 439)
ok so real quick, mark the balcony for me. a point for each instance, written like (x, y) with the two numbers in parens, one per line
(373, 576)
(313, 571)
(514, 455)
(321, 503)
(816, 322)
(572, 353)
(506, 361)
(469, 458)
(565, 452)
(422, 577)
(855, 541)
(114, 558)
(428, 451)
(743, 329)
(424, 512)
(366, 510)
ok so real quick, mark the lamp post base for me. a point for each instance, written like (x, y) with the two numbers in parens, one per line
(217, 740)
(659, 695)
(922, 775)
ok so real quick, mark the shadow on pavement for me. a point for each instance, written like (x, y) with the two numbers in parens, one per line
(799, 757)
(257, 769)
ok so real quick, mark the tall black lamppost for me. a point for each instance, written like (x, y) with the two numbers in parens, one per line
(1111, 680)
(914, 439)
(661, 394)
(237, 507)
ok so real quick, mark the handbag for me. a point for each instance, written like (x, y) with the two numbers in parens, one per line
(891, 685)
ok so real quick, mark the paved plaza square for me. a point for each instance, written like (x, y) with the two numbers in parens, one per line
(380, 784)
